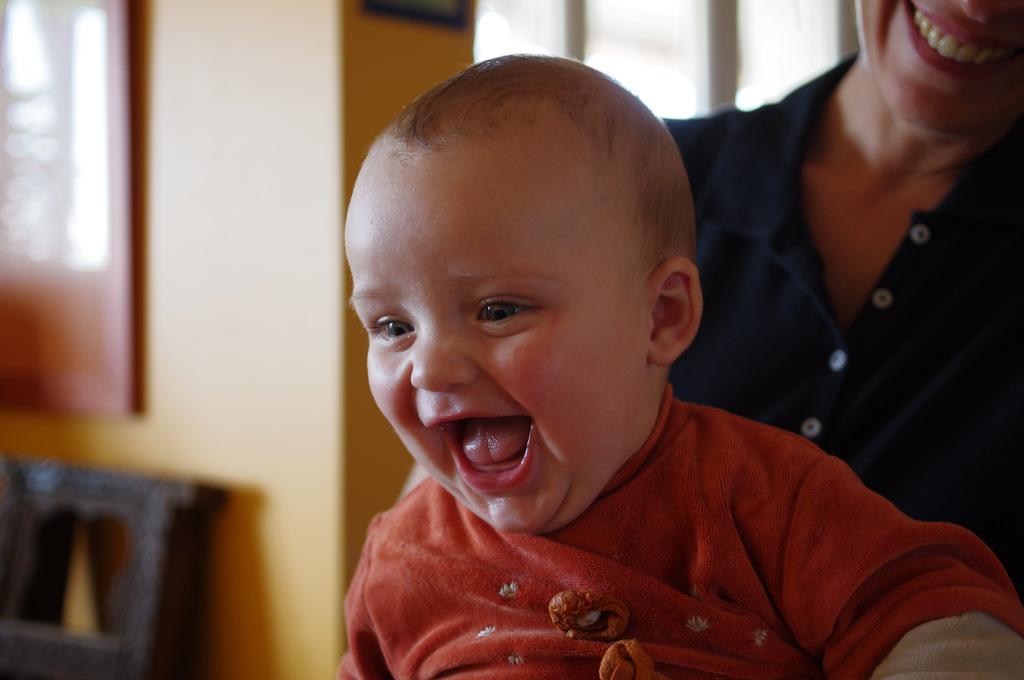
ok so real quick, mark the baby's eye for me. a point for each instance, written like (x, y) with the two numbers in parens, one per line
(393, 329)
(499, 311)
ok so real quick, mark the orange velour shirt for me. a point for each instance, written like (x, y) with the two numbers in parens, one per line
(736, 550)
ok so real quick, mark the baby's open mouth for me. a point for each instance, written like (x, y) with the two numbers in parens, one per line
(490, 444)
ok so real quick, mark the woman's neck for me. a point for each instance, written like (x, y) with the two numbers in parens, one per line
(864, 173)
(862, 133)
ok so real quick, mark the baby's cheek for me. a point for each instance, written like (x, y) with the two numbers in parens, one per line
(386, 383)
(529, 366)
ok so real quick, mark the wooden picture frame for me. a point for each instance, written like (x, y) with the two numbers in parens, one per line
(67, 329)
(447, 12)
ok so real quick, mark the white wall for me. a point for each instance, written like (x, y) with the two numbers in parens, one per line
(241, 266)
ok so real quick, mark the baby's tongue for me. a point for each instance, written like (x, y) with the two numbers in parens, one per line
(487, 441)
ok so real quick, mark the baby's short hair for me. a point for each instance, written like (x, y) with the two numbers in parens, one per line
(491, 97)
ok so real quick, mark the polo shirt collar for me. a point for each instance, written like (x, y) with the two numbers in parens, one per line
(766, 158)
(990, 188)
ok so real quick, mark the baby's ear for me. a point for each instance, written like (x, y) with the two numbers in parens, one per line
(676, 304)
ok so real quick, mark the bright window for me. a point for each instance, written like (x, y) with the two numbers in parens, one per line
(682, 57)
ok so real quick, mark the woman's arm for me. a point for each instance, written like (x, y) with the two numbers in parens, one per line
(972, 646)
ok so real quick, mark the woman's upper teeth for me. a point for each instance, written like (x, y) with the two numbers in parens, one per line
(951, 48)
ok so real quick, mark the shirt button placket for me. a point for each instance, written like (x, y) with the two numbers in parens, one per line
(882, 298)
(837, 360)
(920, 234)
(810, 428)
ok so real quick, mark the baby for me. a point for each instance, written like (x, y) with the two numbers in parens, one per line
(520, 242)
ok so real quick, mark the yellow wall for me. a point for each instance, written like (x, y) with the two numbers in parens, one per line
(253, 377)
(387, 62)
(242, 325)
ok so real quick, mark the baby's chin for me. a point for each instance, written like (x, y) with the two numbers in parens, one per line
(525, 515)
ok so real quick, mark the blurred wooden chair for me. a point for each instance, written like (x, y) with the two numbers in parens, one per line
(146, 609)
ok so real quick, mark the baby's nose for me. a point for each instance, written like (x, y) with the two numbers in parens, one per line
(442, 362)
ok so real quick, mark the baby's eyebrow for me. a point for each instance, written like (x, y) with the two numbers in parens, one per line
(363, 296)
(513, 276)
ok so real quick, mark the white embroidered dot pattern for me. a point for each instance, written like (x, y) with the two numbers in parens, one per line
(485, 632)
(697, 624)
(509, 590)
(515, 659)
(760, 636)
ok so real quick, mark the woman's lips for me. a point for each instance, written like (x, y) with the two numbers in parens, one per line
(960, 51)
(933, 47)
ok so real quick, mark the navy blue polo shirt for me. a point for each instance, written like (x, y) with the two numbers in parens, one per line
(924, 395)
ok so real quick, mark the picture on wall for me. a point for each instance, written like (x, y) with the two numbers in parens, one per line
(449, 12)
(67, 333)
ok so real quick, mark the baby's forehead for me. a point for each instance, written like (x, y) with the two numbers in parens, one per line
(500, 175)
(542, 143)
(495, 170)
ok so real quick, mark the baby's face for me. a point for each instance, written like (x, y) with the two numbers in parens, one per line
(508, 322)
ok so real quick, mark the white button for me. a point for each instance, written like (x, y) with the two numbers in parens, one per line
(882, 298)
(810, 428)
(920, 234)
(837, 361)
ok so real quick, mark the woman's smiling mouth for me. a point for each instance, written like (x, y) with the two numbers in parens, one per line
(956, 50)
